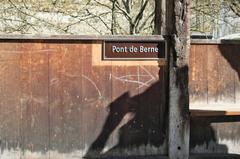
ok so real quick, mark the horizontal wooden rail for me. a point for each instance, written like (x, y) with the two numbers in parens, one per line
(213, 113)
(81, 37)
(215, 110)
(110, 37)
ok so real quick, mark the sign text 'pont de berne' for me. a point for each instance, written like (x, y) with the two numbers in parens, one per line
(134, 50)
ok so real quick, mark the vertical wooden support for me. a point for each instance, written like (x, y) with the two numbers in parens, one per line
(179, 46)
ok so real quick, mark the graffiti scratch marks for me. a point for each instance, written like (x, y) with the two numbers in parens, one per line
(87, 78)
(94, 84)
(137, 78)
(29, 51)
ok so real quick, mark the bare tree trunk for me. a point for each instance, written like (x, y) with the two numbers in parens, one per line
(159, 20)
(113, 24)
(178, 27)
(131, 28)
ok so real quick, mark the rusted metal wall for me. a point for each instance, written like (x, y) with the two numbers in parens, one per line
(58, 99)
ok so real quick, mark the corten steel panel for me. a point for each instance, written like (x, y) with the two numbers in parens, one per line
(55, 102)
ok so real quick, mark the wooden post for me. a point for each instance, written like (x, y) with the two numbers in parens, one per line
(178, 29)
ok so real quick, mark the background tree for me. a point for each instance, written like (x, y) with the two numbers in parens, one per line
(234, 6)
(215, 17)
(119, 17)
(77, 16)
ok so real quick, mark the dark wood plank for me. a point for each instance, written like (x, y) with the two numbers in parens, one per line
(71, 86)
(152, 100)
(214, 156)
(212, 73)
(195, 113)
(98, 81)
(102, 75)
(66, 101)
(198, 74)
(56, 101)
(226, 76)
(236, 64)
(91, 98)
(34, 105)
(10, 103)
(117, 109)
(97, 89)
(134, 131)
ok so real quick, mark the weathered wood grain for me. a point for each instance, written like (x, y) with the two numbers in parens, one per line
(56, 105)
(10, 100)
(116, 112)
(226, 76)
(212, 73)
(198, 74)
(221, 76)
(178, 28)
(236, 65)
(70, 96)
(34, 105)
(55, 99)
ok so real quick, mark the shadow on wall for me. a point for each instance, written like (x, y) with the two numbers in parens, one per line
(202, 132)
(231, 53)
(203, 137)
(148, 126)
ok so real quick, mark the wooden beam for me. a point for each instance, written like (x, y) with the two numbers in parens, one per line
(196, 113)
(81, 37)
(179, 46)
